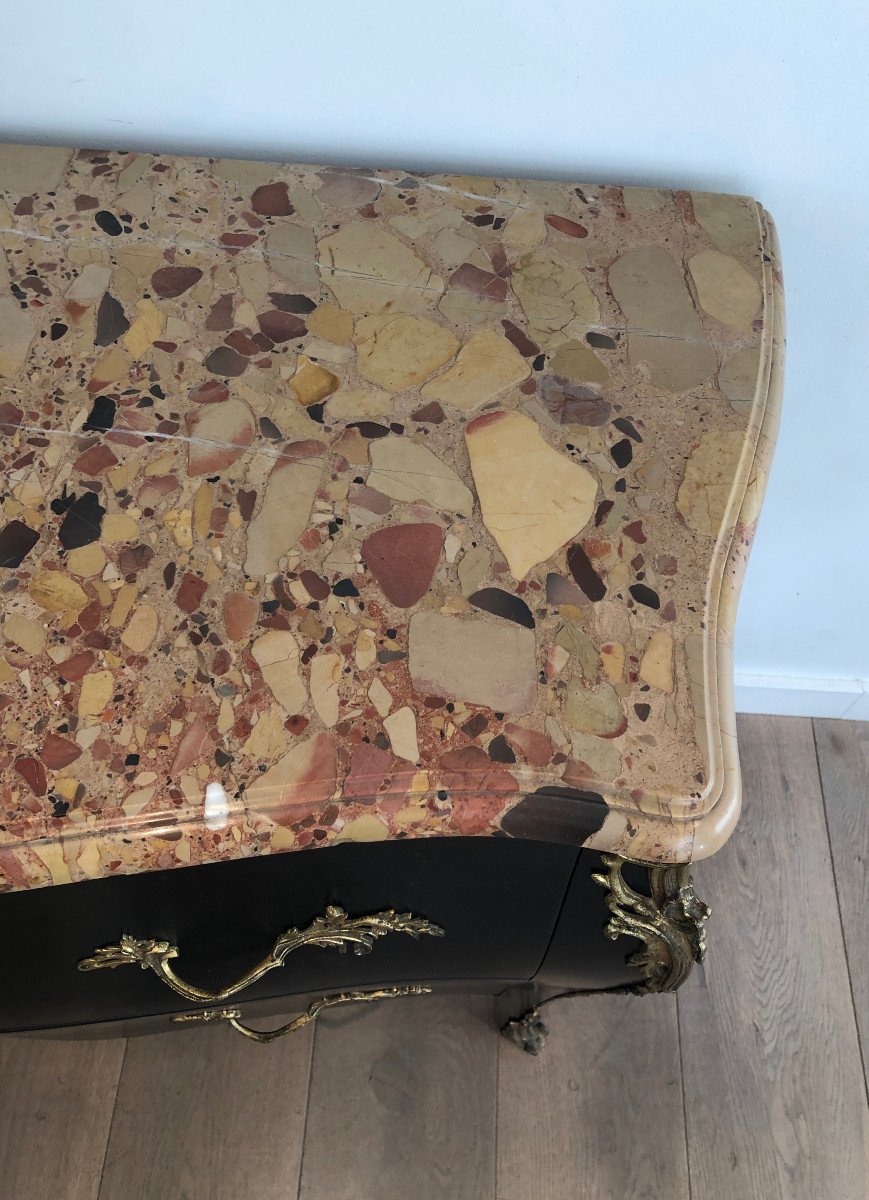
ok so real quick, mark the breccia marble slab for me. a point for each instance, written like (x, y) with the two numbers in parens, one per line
(352, 505)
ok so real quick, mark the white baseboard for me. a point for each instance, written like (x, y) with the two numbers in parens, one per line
(795, 696)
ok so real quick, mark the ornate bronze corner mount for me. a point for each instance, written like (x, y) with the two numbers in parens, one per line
(334, 929)
(671, 922)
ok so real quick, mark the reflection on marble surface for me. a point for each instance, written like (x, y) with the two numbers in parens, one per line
(394, 505)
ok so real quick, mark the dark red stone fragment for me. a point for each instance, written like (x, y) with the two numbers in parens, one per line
(584, 573)
(190, 592)
(271, 200)
(169, 282)
(402, 558)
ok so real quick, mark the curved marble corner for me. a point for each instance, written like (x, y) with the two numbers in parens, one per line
(355, 505)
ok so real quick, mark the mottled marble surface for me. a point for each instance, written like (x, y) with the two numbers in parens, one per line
(351, 505)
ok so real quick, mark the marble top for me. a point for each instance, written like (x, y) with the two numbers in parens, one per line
(352, 505)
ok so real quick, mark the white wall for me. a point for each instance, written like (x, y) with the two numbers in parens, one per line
(767, 97)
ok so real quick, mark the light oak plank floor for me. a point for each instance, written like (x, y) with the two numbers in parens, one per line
(750, 1083)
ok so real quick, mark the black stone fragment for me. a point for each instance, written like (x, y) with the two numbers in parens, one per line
(642, 711)
(503, 604)
(645, 595)
(622, 453)
(556, 814)
(584, 573)
(295, 303)
(83, 522)
(58, 329)
(625, 426)
(389, 656)
(109, 223)
(111, 321)
(499, 751)
(369, 429)
(600, 340)
(102, 415)
(316, 412)
(269, 429)
(16, 542)
(345, 587)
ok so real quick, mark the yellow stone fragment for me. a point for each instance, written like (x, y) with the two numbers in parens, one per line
(366, 828)
(312, 383)
(656, 666)
(96, 692)
(142, 628)
(56, 592)
(118, 527)
(124, 602)
(87, 561)
(26, 634)
(145, 330)
(332, 323)
(202, 505)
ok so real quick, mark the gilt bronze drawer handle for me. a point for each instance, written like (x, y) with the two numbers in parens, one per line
(334, 929)
(232, 1016)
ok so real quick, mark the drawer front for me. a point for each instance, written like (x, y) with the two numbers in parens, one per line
(497, 901)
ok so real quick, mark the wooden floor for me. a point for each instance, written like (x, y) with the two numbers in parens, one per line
(748, 1085)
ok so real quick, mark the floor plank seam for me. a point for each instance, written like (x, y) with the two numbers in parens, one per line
(99, 1191)
(684, 1098)
(314, 1034)
(860, 1046)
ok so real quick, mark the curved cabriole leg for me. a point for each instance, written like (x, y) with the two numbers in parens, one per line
(670, 923)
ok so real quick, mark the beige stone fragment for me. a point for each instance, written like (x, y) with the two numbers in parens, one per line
(202, 506)
(639, 200)
(325, 678)
(366, 650)
(708, 482)
(25, 170)
(579, 363)
(145, 329)
(284, 513)
(533, 499)
(479, 661)
(739, 378)
(725, 289)
(27, 634)
(359, 404)
(730, 221)
(267, 740)
(401, 351)
(332, 323)
(656, 666)
(665, 332)
(404, 470)
(486, 366)
(56, 592)
(602, 756)
(525, 230)
(86, 561)
(581, 649)
(292, 254)
(379, 696)
(90, 284)
(142, 629)
(555, 297)
(17, 330)
(312, 383)
(277, 655)
(97, 689)
(113, 365)
(371, 271)
(473, 568)
(598, 712)
(400, 728)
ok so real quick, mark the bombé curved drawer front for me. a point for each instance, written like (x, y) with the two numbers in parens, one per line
(495, 900)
